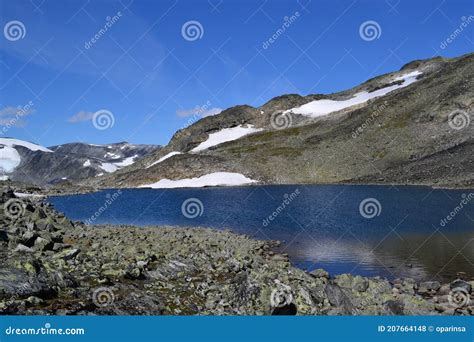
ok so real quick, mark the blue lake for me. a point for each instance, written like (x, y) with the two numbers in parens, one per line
(401, 231)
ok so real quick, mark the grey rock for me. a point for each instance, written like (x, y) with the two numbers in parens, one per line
(42, 244)
(459, 283)
(394, 307)
(23, 249)
(68, 254)
(337, 297)
(429, 287)
(405, 285)
(360, 284)
(319, 273)
(28, 238)
(344, 280)
(60, 246)
(14, 282)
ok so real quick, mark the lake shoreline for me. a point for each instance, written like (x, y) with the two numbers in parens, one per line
(64, 191)
(55, 266)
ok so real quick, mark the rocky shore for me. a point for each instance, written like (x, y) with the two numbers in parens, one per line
(51, 265)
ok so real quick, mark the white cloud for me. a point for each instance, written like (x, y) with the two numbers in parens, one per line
(212, 111)
(81, 117)
(198, 111)
(12, 116)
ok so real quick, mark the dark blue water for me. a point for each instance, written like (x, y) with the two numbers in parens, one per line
(320, 226)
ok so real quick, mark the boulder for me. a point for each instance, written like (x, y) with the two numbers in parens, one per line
(344, 280)
(394, 307)
(338, 298)
(405, 285)
(17, 283)
(68, 254)
(360, 284)
(459, 283)
(23, 249)
(28, 238)
(57, 246)
(42, 244)
(428, 287)
(319, 273)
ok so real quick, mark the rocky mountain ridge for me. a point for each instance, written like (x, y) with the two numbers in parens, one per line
(407, 127)
(412, 126)
(65, 164)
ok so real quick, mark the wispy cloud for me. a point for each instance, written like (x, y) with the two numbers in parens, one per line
(183, 113)
(81, 117)
(13, 116)
(212, 111)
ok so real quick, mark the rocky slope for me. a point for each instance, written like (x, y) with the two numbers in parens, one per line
(65, 164)
(408, 127)
(51, 265)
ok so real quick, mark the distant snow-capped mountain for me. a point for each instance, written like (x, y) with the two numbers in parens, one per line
(31, 163)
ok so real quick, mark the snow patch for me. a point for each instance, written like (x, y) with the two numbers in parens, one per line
(169, 155)
(411, 76)
(24, 194)
(126, 161)
(225, 135)
(112, 167)
(9, 156)
(87, 163)
(108, 167)
(9, 159)
(323, 107)
(211, 179)
(15, 142)
(112, 155)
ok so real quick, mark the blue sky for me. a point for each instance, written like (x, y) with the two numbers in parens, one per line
(151, 79)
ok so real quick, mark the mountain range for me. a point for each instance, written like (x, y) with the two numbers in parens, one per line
(26, 162)
(411, 126)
